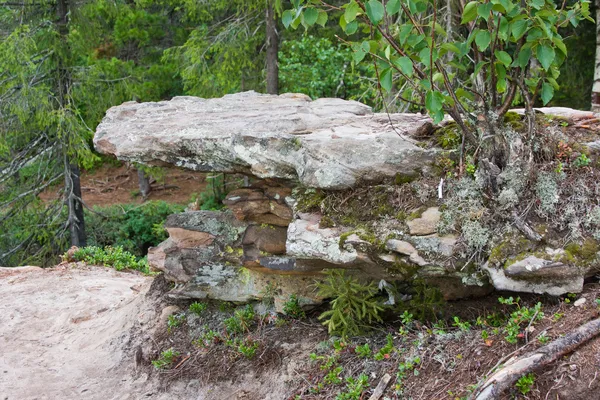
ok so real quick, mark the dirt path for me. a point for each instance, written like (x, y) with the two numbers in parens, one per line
(71, 332)
(64, 333)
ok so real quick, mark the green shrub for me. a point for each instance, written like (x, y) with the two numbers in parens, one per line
(292, 308)
(241, 320)
(353, 306)
(135, 228)
(198, 308)
(166, 358)
(114, 257)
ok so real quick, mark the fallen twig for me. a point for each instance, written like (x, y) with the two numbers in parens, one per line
(381, 386)
(505, 377)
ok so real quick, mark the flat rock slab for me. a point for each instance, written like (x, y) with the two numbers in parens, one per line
(325, 143)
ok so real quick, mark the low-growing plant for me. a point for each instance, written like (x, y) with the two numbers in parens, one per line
(404, 368)
(114, 257)
(353, 307)
(198, 307)
(354, 388)
(174, 321)
(241, 320)
(519, 317)
(386, 351)
(208, 338)
(247, 347)
(166, 358)
(464, 326)
(292, 308)
(214, 194)
(581, 161)
(543, 338)
(363, 351)
(525, 383)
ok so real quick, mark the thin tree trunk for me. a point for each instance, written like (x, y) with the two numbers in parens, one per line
(76, 217)
(272, 50)
(72, 173)
(144, 184)
(596, 85)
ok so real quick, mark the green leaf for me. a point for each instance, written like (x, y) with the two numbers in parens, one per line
(351, 12)
(386, 80)
(478, 67)
(434, 101)
(322, 19)
(547, 92)
(358, 56)
(405, 30)
(375, 11)
(287, 17)
(425, 56)
(537, 4)
(470, 12)
(351, 28)
(310, 16)
(483, 10)
(483, 39)
(392, 7)
(503, 57)
(366, 46)
(463, 94)
(558, 42)
(405, 65)
(523, 57)
(545, 54)
(518, 28)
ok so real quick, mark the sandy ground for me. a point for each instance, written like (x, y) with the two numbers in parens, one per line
(72, 332)
(64, 333)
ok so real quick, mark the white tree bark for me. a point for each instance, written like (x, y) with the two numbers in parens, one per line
(596, 85)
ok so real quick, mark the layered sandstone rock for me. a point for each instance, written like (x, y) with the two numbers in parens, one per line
(278, 236)
(326, 143)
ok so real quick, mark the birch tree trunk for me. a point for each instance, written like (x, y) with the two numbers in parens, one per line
(596, 85)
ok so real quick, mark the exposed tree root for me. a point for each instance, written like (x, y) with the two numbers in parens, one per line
(505, 377)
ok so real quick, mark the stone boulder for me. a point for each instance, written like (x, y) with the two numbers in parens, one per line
(325, 143)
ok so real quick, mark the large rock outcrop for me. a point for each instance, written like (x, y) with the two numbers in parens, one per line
(326, 143)
(339, 188)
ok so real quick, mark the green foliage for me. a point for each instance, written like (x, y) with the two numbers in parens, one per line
(166, 358)
(175, 321)
(581, 161)
(464, 326)
(208, 338)
(214, 194)
(353, 307)
(241, 321)
(363, 351)
(525, 383)
(247, 347)
(354, 388)
(134, 227)
(292, 308)
(109, 256)
(386, 350)
(198, 307)
(431, 68)
(319, 68)
(519, 317)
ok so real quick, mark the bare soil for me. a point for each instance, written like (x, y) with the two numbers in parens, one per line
(82, 332)
(118, 184)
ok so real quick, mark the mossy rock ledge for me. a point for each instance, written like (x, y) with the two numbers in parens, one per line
(333, 185)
